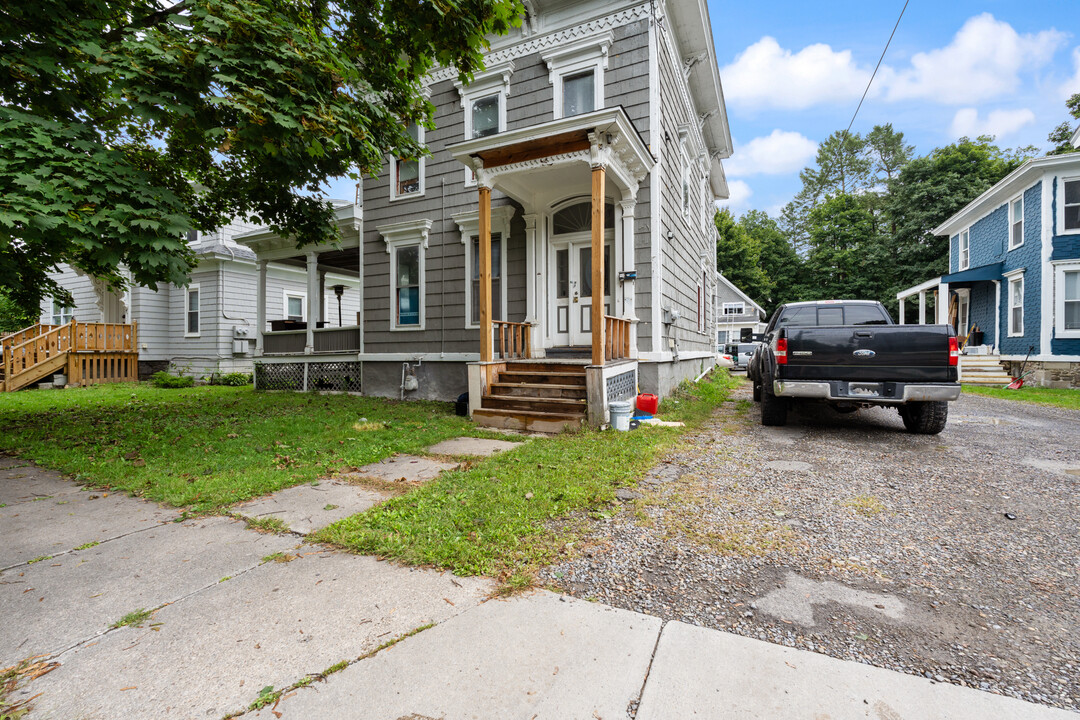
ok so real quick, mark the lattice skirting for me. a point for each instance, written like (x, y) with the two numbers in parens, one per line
(622, 386)
(339, 376)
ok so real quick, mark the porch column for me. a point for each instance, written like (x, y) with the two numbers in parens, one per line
(901, 312)
(922, 307)
(598, 265)
(486, 340)
(260, 307)
(943, 304)
(627, 206)
(312, 304)
(322, 296)
(533, 279)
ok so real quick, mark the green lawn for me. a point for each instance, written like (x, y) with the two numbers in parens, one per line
(208, 447)
(499, 517)
(1060, 397)
(205, 448)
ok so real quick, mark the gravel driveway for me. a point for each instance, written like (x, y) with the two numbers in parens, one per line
(953, 556)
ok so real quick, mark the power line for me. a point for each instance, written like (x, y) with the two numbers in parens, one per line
(876, 67)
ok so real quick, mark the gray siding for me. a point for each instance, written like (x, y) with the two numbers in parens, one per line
(86, 307)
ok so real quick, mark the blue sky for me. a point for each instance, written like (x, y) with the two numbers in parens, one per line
(793, 72)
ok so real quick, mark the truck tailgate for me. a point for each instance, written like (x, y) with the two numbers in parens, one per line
(898, 353)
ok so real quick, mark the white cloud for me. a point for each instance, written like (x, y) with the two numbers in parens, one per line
(778, 153)
(1072, 85)
(738, 197)
(983, 61)
(767, 75)
(997, 123)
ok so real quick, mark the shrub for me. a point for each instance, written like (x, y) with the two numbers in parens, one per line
(163, 379)
(234, 379)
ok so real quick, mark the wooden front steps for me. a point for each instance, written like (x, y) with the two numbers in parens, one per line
(535, 396)
(88, 353)
(983, 370)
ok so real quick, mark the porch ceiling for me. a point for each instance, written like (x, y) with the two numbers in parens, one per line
(269, 245)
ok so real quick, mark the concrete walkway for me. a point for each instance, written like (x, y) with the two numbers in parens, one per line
(235, 614)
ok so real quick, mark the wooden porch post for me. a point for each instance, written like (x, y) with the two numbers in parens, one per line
(486, 339)
(598, 265)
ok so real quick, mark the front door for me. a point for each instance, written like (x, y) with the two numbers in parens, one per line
(571, 258)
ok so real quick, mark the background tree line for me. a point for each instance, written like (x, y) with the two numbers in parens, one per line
(860, 226)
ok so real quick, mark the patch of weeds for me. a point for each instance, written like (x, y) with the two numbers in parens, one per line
(865, 505)
(135, 617)
(280, 557)
(395, 641)
(39, 559)
(225, 579)
(87, 546)
(266, 696)
(336, 667)
(389, 487)
(330, 506)
(266, 524)
(516, 583)
(742, 407)
(744, 538)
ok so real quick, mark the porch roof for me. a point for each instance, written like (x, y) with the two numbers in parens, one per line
(269, 245)
(978, 274)
(601, 137)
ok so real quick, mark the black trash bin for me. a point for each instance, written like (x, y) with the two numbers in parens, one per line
(976, 337)
(461, 407)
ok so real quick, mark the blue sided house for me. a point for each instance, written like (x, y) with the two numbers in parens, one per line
(1013, 285)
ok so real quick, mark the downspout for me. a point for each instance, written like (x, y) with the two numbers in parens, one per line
(442, 268)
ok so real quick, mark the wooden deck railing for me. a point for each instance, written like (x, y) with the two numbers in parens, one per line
(512, 339)
(89, 353)
(616, 338)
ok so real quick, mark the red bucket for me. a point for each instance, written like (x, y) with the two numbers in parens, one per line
(648, 403)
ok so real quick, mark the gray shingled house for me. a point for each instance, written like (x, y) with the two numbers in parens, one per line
(555, 251)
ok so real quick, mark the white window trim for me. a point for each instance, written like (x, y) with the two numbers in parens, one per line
(1010, 278)
(1061, 205)
(66, 312)
(740, 305)
(1013, 220)
(960, 254)
(421, 163)
(187, 301)
(469, 226)
(495, 80)
(572, 58)
(302, 295)
(1060, 268)
(405, 234)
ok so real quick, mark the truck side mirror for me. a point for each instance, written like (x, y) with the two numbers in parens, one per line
(746, 335)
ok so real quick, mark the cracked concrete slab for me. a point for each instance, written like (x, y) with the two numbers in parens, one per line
(53, 604)
(46, 527)
(405, 468)
(479, 447)
(29, 484)
(538, 656)
(214, 651)
(702, 673)
(307, 508)
(795, 601)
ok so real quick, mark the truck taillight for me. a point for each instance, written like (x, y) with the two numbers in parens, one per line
(781, 351)
(954, 351)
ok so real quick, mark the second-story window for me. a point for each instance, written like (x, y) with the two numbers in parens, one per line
(408, 175)
(1071, 205)
(965, 249)
(579, 93)
(734, 308)
(576, 73)
(485, 116)
(1016, 223)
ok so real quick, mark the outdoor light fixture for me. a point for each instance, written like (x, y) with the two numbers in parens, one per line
(339, 290)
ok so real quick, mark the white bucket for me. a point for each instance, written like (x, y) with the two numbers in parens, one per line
(620, 415)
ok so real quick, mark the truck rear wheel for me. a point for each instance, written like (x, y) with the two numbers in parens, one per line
(925, 418)
(773, 409)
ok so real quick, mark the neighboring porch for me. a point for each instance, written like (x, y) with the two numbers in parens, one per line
(973, 311)
(580, 275)
(87, 353)
(322, 319)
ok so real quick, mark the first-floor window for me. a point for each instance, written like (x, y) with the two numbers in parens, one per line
(61, 314)
(294, 307)
(408, 297)
(496, 278)
(1016, 306)
(1070, 291)
(191, 311)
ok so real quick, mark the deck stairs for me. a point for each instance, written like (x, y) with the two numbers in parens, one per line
(88, 353)
(31, 355)
(535, 396)
(983, 370)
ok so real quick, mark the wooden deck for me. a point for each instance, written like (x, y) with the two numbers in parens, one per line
(88, 353)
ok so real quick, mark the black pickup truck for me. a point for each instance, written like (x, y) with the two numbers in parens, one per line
(850, 354)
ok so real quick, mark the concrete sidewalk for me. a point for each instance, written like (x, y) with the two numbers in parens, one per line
(235, 615)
